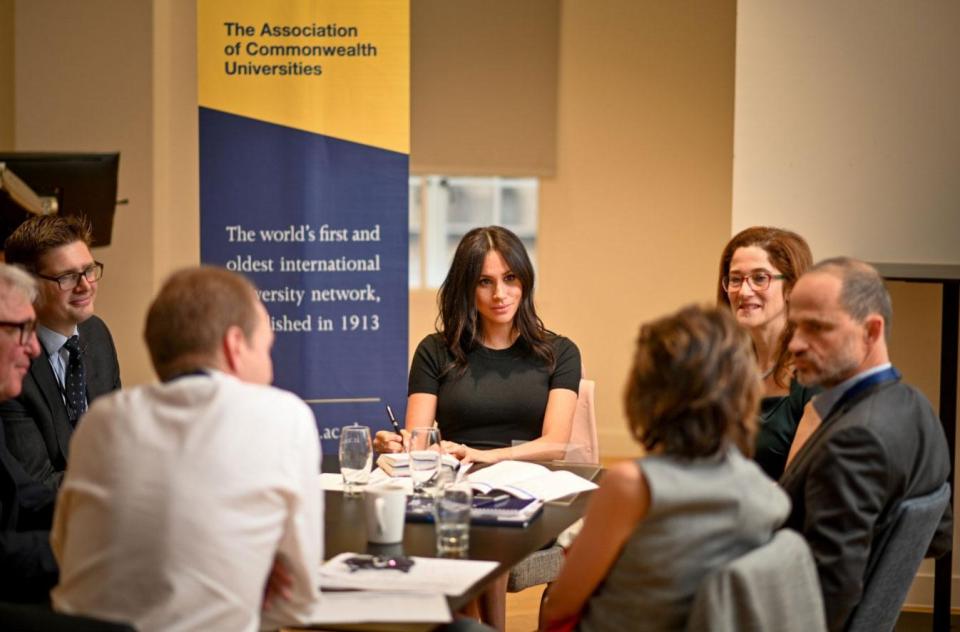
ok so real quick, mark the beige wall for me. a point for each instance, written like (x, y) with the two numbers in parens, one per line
(847, 126)
(84, 83)
(176, 224)
(6, 74)
(633, 223)
(112, 75)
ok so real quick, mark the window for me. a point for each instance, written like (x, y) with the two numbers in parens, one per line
(443, 209)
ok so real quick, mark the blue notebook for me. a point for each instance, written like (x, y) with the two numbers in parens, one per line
(510, 512)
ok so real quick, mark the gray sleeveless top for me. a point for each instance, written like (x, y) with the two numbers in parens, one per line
(702, 514)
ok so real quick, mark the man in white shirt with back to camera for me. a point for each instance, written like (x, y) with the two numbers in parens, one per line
(195, 503)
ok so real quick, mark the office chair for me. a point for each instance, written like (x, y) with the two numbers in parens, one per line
(543, 567)
(894, 559)
(773, 587)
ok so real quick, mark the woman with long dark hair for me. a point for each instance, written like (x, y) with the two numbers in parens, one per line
(758, 269)
(497, 382)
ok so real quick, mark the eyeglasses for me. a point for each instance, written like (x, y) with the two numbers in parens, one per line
(759, 280)
(71, 280)
(26, 327)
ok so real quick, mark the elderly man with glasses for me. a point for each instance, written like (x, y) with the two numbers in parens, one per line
(27, 566)
(78, 362)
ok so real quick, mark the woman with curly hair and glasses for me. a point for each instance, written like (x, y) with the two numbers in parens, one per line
(758, 269)
(659, 524)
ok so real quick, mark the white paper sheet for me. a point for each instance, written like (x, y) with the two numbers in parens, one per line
(334, 482)
(428, 574)
(369, 606)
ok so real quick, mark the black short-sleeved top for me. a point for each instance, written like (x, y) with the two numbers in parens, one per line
(779, 416)
(503, 394)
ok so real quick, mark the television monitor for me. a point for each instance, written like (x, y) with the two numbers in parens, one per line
(82, 183)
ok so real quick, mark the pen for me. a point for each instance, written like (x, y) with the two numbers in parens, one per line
(483, 501)
(396, 426)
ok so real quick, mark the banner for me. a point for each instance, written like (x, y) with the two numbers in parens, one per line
(304, 155)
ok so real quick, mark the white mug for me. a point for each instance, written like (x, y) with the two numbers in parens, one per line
(386, 507)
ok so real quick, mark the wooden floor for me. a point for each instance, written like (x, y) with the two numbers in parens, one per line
(523, 608)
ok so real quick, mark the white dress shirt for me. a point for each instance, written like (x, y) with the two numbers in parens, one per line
(176, 500)
(826, 400)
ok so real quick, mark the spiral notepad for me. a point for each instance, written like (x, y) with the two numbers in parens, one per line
(511, 512)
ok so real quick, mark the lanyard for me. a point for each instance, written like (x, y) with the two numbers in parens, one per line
(887, 375)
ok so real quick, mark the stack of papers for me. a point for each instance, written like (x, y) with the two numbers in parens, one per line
(381, 595)
(334, 482)
(398, 463)
(375, 606)
(427, 575)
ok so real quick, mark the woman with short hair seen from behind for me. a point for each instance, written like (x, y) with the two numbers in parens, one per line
(758, 269)
(658, 525)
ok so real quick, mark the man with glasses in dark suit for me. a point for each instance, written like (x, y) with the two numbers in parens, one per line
(79, 360)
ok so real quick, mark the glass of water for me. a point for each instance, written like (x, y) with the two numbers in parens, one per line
(356, 458)
(452, 519)
(425, 457)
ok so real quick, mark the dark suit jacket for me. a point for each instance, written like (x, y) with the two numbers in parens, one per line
(880, 447)
(37, 427)
(27, 568)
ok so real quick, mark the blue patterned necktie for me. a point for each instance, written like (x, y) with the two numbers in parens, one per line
(75, 382)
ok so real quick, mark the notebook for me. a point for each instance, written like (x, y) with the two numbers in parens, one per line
(510, 512)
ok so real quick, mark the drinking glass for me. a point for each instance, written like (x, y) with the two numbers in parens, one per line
(452, 519)
(425, 457)
(356, 458)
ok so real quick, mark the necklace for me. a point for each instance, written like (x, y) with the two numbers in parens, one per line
(768, 372)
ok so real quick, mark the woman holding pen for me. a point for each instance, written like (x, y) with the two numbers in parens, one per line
(492, 376)
(497, 382)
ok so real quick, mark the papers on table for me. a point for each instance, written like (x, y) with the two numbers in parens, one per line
(398, 463)
(369, 606)
(428, 575)
(334, 482)
(528, 480)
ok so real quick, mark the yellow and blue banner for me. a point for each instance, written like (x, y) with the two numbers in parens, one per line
(304, 157)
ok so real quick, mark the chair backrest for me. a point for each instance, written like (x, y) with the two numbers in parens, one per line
(583, 446)
(773, 587)
(894, 559)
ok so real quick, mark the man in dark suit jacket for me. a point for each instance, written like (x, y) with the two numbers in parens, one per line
(27, 567)
(38, 424)
(879, 441)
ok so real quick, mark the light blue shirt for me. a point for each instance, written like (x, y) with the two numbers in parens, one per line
(826, 400)
(58, 357)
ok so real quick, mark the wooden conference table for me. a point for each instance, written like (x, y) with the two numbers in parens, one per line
(345, 520)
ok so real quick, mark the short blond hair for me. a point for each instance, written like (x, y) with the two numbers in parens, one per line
(191, 314)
